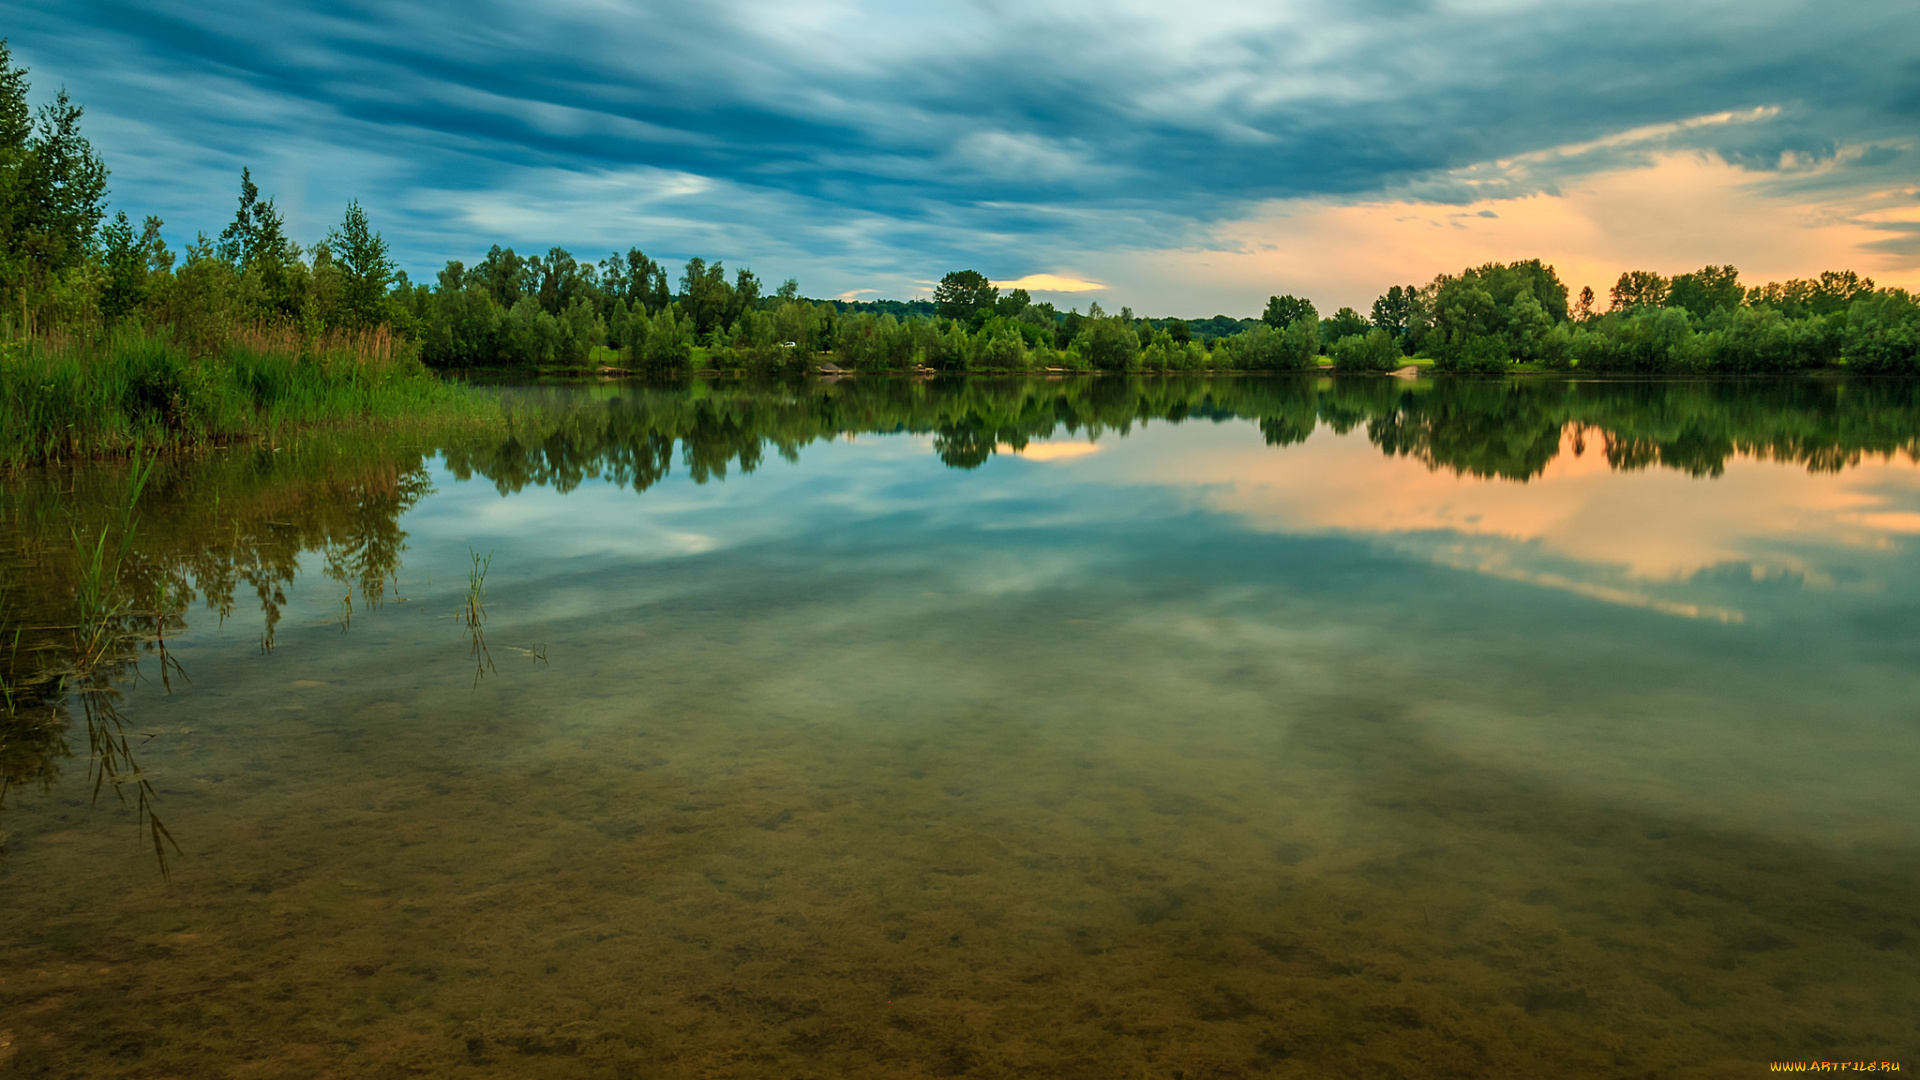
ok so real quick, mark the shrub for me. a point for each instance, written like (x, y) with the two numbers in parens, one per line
(1882, 335)
(1646, 341)
(1373, 351)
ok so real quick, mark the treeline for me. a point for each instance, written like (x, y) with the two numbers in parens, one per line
(73, 275)
(635, 435)
(1489, 318)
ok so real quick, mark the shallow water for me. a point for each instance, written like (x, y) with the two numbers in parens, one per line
(1142, 728)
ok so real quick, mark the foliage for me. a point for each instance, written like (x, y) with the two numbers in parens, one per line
(1266, 349)
(1284, 311)
(52, 189)
(1883, 334)
(1374, 350)
(1638, 289)
(135, 387)
(1640, 341)
(1399, 312)
(1109, 344)
(1344, 323)
(1707, 290)
(963, 293)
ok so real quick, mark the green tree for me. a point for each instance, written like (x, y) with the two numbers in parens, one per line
(1345, 323)
(1707, 290)
(635, 278)
(1262, 348)
(1883, 334)
(1396, 310)
(1644, 340)
(1638, 289)
(1375, 350)
(256, 234)
(1284, 311)
(1109, 344)
(125, 262)
(564, 279)
(705, 296)
(365, 270)
(52, 186)
(746, 294)
(961, 293)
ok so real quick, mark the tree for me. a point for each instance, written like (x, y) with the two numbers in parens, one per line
(1583, 310)
(705, 296)
(564, 279)
(1375, 350)
(1263, 348)
(506, 277)
(125, 264)
(962, 293)
(638, 280)
(1706, 290)
(1284, 311)
(52, 186)
(256, 234)
(1345, 323)
(1108, 344)
(746, 294)
(1638, 289)
(1883, 334)
(365, 270)
(1396, 311)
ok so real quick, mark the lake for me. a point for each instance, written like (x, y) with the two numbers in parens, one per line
(1151, 727)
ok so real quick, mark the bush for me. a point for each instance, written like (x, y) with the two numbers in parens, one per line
(1757, 341)
(1262, 348)
(665, 346)
(1108, 344)
(1647, 341)
(1373, 351)
(1882, 335)
(1469, 353)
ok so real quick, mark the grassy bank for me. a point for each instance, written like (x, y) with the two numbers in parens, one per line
(64, 400)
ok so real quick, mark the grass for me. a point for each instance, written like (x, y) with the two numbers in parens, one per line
(64, 400)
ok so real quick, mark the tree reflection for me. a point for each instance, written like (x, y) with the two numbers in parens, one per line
(100, 564)
(1509, 429)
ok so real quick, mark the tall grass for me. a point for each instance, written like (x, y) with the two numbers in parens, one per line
(65, 399)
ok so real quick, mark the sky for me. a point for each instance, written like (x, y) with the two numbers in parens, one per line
(1179, 159)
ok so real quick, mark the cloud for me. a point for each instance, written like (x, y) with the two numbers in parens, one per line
(858, 144)
(1051, 283)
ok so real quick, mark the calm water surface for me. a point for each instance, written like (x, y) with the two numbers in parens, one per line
(1109, 729)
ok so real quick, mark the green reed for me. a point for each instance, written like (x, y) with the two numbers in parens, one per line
(473, 612)
(62, 401)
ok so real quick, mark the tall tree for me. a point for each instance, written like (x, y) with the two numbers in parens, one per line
(125, 263)
(1638, 289)
(1284, 311)
(1394, 311)
(705, 296)
(1706, 290)
(1344, 323)
(52, 185)
(746, 295)
(365, 269)
(961, 293)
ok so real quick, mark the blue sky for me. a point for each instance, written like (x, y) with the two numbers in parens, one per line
(1187, 159)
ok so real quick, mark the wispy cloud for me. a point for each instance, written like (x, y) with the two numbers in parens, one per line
(864, 145)
(1051, 283)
